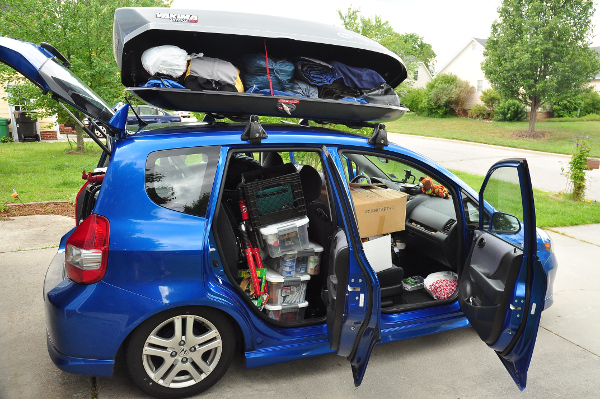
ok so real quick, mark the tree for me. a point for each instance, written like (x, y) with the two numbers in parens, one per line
(539, 50)
(409, 46)
(82, 32)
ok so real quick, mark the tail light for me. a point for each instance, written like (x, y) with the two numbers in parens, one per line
(86, 253)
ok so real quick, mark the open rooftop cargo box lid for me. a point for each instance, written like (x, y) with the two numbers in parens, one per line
(229, 35)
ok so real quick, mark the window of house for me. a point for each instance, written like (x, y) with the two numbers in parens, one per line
(479, 86)
(474, 46)
(416, 76)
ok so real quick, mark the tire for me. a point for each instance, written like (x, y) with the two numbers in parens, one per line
(165, 362)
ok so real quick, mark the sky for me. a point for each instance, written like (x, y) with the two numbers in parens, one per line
(447, 25)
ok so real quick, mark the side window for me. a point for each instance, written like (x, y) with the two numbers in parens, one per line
(503, 192)
(182, 179)
(471, 208)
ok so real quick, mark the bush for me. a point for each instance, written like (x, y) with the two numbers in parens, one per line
(590, 103)
(567, 108)
(480, 112)
(444, 93)
(510, 111)
(413, 99)
(6, 139)
(490, 99)
(576, 107)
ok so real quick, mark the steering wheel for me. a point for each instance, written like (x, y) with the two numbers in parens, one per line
(358, 178)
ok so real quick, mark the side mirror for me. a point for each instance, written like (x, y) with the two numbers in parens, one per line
(503, 223)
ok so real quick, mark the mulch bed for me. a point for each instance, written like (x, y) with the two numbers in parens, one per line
(64, 208)
(527, 135)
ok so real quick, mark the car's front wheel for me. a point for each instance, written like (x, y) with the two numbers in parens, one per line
(181, 352)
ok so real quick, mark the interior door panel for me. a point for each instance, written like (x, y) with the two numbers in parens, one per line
(493, 265)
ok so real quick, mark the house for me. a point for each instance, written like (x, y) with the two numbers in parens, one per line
(421, 76)
(595, 83)
(466, 64)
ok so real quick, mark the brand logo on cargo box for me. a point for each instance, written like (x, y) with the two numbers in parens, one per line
(178, 17)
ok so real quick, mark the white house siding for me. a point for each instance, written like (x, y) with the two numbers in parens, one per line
(467, 66)
(423, 76)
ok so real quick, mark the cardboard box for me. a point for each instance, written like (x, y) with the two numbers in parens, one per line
(378, 210)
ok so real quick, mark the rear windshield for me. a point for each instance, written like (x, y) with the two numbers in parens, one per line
(182, 179)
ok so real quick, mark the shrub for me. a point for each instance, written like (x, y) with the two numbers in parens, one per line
(479, 111)
(575, 107)
(590, 103)
(413, 99)
(6, 139)
(567, 108)
(444, 93)
(577, 167)
(510, 111)
(490, 98)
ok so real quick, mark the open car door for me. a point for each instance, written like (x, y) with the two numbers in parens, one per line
(353, 295)
(502, 286)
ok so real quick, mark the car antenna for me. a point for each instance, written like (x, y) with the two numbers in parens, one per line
(140, 121)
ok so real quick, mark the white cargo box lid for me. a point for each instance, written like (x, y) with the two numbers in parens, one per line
(286, 307)
(274, 277)
(273, 228)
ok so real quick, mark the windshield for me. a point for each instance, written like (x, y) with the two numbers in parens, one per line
(67, 86)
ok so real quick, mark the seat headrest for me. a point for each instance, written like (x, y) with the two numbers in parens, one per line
(311, 183)
(272, 158)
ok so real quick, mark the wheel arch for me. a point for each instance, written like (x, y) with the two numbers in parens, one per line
(241, 339)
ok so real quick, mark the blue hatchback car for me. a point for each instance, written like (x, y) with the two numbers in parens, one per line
(279, 241)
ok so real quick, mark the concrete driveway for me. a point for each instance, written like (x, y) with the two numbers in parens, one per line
(566, 361)
(544, 168)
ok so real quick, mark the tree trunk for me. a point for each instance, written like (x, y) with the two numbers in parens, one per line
(535, 104)
(80, 142)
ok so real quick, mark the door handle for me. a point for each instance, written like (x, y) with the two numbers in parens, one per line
(481, 243)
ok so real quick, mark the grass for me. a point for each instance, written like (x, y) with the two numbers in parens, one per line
(560, 133)
(52, 172)
(43, 171)
(552, 210)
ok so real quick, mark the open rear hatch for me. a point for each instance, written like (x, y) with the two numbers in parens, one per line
(229, 36)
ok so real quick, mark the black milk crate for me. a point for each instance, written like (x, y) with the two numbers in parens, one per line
(275, 199)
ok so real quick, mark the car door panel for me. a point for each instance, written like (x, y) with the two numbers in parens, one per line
(503, 284)
(353, 297)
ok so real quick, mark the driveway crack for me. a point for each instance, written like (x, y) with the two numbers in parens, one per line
(568, 340)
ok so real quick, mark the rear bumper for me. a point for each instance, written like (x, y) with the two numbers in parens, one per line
(78, 365)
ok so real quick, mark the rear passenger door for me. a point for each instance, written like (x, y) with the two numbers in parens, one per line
(503, 284)
(353, 306)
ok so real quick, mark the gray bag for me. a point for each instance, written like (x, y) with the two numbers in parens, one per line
(383, 95)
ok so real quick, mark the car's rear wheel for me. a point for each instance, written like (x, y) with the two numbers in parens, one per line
(181, 352)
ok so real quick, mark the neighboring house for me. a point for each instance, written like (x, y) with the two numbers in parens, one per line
(595, 83)
(421, 76)
(466, 64)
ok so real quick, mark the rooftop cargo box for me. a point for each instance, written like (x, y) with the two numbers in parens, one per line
(229, 35)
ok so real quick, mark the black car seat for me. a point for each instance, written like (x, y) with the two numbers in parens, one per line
(272, 158)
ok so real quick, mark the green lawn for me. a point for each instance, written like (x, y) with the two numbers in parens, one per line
(552, 210)
(43, 171)
(560, 134)
(47, 172)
